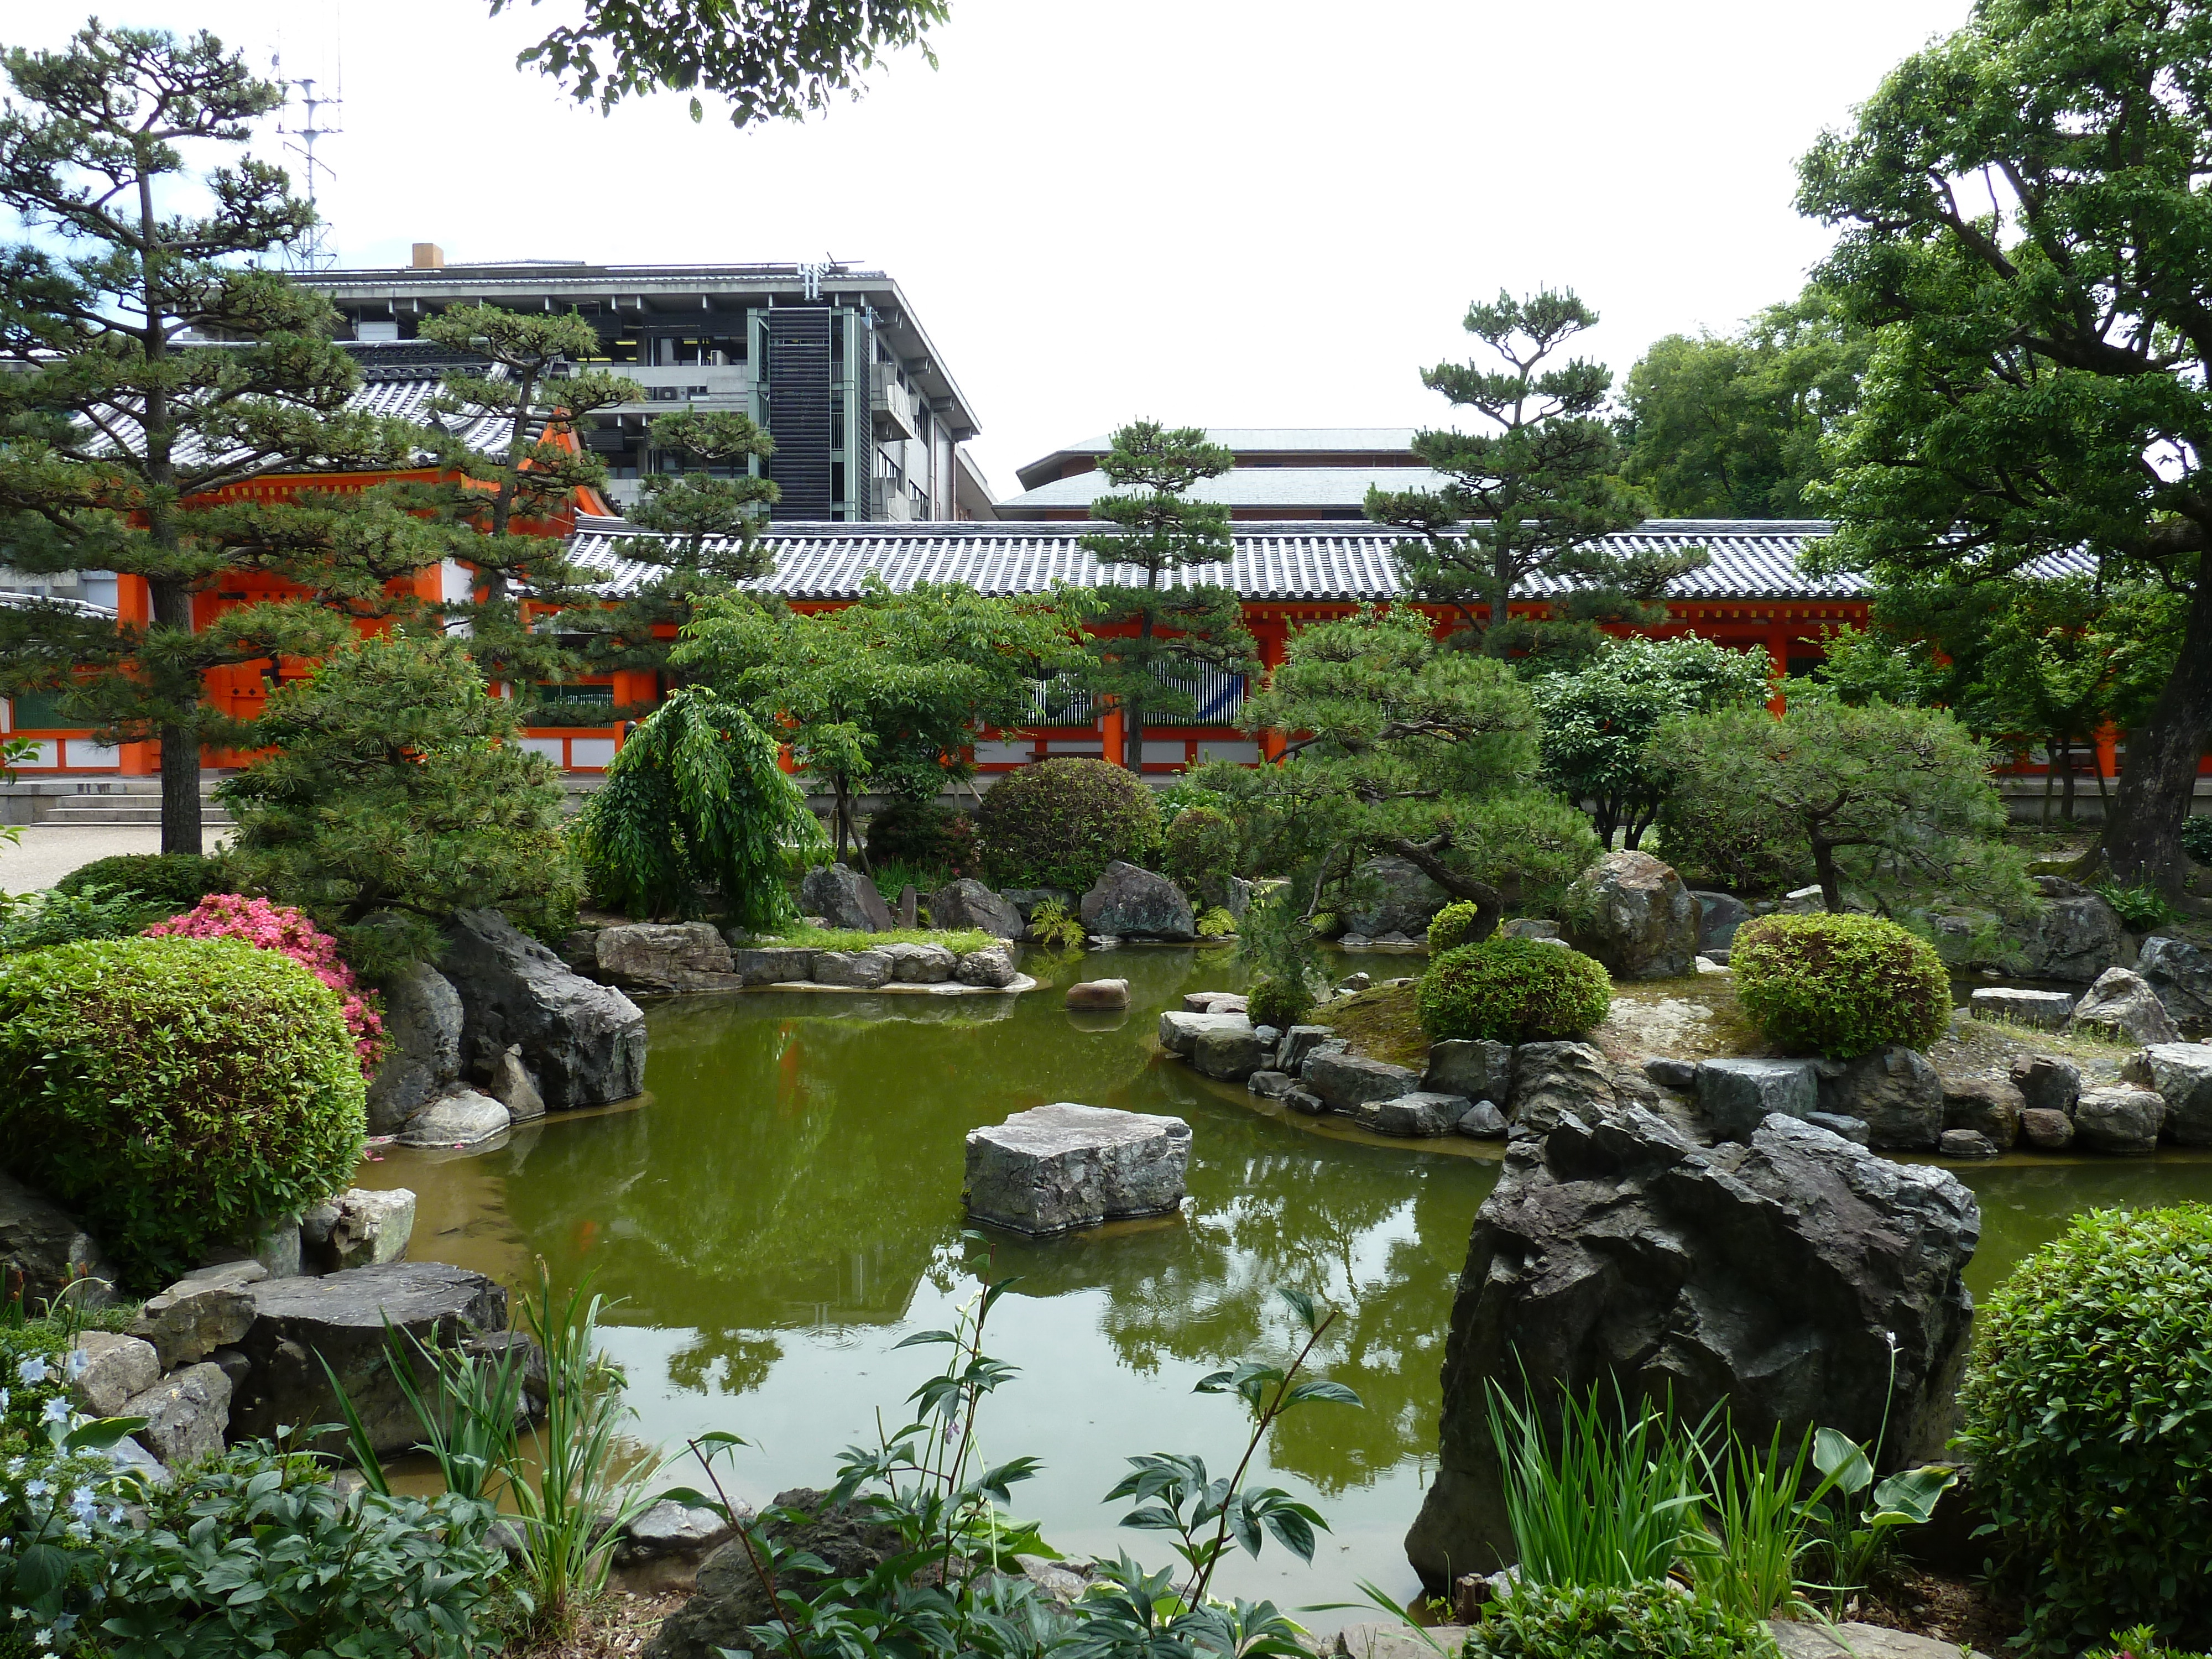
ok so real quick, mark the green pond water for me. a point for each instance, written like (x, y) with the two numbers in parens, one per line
(784, 1208)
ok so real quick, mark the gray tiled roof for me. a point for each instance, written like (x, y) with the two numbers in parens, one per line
(1283, 561)
(1246, 486)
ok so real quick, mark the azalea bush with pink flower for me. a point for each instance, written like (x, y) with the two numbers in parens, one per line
(269, 926)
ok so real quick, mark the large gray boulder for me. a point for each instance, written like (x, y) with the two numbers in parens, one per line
(1553, 1079)
(1346, 1081)
(844, 899)
(1055, 1167)
(2121, 1007)
(365, 1227)
(2048, 1083)
(195, 1316)
(660, 958)
(2042, 1011)
(991, 967)
(422, 1023)
(920, 964)
(341, 1318)
(2121, 1119)
(1633, 914)
(1229, 1052)
(1719, 915)
(1421, 1114)
(1400, 899)
(2075, 938)
(773, 964)
(1180, 1030)
(44, 1249)
(1894, 1091)
(114, 1368)
(856, 971)
(1475, 1068)
(187, 1413)
(2181, 1073)
(459, 1117)
(2181, 974)
(1739, 1095)
(1989, 1106)
(1129, 902)
(584, 1042)
(1770, 1276)
(849, 1542)
(968, 904)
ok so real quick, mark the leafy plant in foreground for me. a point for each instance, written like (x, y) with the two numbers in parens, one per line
(1649, 1620)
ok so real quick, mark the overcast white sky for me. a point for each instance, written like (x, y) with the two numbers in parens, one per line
(1210, 211)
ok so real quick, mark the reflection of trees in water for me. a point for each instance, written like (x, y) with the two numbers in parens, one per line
(1379, 1233)
(2026, 1206)
(724, 1362)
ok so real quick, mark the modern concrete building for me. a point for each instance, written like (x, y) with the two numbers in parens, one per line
(1303, 474)
(868, 422)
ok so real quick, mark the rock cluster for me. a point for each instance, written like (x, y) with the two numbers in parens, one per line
(583, 1043)
(1794, 1276)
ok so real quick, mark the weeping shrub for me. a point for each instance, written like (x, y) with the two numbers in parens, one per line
(695, 800)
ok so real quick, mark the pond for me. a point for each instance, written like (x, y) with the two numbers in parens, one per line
(784, 1208)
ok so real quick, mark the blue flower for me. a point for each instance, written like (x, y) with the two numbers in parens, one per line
(57, 1410)
(33, 1370)
(36, 1489)
(74, 1366)
(81, 1505)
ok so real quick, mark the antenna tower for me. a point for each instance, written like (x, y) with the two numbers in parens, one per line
(311, 250)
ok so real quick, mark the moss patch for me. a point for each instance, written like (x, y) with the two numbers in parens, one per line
(1380, 1024)
(960, 943)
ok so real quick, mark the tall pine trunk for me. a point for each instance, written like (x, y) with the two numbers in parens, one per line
(2142, 837)
(180, 741)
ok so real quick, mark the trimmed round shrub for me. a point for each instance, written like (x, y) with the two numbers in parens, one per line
(1200, 854)
(1839, 986)
(177, 880)
(269, 926)
(2087, 1425)
(1060, 823)
(1651, 1620)
(923, 836)
(176, 1093)
(1281, 1003)
(1451, 925)
(1512, 990)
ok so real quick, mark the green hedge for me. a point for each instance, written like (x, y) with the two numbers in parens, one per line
(1512, 990)
(177, 1093)
(1280, 1003)
(178, 880)
(1644, 1621)
(1449, 928)
(2087, 1415)
(923, 836)
(1840, 986)
(1199, 853)
(1060, 823)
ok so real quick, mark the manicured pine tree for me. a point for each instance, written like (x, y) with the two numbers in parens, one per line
(534, 395)
(709, 534)
(122, 419)
(1532, 498)
(1172, 626)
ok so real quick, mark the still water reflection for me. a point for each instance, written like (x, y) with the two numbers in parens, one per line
(786, 1208)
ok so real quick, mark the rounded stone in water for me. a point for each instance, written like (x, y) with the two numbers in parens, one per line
(1055, 1167)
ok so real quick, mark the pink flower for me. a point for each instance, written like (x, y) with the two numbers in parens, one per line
(269, 926)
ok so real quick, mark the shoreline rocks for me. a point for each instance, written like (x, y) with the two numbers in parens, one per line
(584, 1042)
(1771, 1272)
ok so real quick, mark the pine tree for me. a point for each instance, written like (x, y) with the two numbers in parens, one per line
(121, 421)
(1532, 500)
(1161, 629)
(708, 522)
(530, 391)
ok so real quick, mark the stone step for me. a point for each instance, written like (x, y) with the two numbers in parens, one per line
(124, 810)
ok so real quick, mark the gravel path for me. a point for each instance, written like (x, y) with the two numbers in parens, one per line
(45, 854)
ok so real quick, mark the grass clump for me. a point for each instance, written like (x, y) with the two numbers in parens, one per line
(958, 941)
(1513, 990)
(1840, 986)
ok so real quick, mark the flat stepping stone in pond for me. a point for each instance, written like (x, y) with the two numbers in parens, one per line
(1099, 994)
(1055, 1167)
(2045, 1010)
